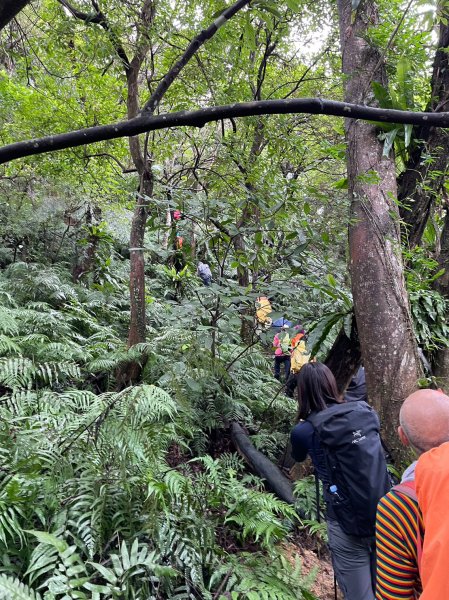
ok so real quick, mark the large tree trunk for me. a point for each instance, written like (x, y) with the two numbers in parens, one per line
(380, 299)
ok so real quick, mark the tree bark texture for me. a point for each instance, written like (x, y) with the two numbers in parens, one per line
(273, 476)
(250, 216)
(441, 361)
(380, 299)
(9, 9)
(85, 265)
(417, 189)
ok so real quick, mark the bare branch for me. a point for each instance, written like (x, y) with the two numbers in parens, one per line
(198, 118)
(99, 18)
(191, 50)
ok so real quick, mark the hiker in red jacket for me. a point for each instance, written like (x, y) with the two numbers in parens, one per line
(424, 424)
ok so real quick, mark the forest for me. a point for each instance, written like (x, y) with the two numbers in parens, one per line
(299, 149)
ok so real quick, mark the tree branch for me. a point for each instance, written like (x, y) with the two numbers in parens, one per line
(192, 49)
(99, 18)
(9, 9)
(198, 118)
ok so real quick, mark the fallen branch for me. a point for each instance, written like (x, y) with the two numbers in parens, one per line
(263, 466)
(198, 118)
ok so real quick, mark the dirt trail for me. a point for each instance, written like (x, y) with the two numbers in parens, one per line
(323, 586)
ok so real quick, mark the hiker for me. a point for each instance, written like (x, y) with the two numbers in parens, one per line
(204, 273)
(342, 439)
(424, 424)
(282, 344)
(355, 392)
(263, 310)
(299, 356)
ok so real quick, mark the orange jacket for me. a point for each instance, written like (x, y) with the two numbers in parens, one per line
(432, 488)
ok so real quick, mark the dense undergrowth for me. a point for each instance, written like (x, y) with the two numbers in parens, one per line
(133, 493)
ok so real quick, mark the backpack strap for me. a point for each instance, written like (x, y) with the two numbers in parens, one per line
(408, 489)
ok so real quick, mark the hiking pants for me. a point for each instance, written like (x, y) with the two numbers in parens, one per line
(278, 361)
(354, 562)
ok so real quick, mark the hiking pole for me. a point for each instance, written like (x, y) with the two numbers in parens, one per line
(318, 518)
(317, 493)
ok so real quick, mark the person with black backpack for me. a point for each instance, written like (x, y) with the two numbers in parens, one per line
(342, 438)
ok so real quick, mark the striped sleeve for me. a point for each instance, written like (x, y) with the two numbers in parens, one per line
(397, 571)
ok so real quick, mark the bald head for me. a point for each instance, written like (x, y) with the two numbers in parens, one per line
(424, 420)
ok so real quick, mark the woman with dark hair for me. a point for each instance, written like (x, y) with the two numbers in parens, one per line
(355, 428)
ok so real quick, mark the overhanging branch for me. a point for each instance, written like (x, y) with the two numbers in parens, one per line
(198, 118)
(9, 9)
(190, 51)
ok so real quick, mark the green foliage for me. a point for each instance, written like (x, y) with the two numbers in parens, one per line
(89, 505)
(429, 308)
(134, 493)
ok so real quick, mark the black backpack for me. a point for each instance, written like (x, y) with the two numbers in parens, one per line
(350, 439)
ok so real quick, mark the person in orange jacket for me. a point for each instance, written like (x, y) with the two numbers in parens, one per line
(400, 527)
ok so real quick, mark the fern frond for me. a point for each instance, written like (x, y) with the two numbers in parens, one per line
(8, 346)
(13, 589)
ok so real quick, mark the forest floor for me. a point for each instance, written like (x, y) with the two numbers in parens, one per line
(317, 563)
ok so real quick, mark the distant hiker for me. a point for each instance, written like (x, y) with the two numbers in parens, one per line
(204, 273)
(299, 356)
(424, 424)
(342, 439)
(263, 310)
(282, 344)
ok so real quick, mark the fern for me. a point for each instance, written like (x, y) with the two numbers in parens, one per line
(13, 589)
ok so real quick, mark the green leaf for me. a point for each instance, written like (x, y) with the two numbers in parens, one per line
(293, 5)
(250, 34)
(347, 324)
(408, 129)
(390, 136)
(341, 184)
(108, 574)
(48, 538)
(405, 87)
(331, 279)
(382, 95)
(269, 7)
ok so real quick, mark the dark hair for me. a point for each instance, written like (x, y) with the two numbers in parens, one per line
(316, 389)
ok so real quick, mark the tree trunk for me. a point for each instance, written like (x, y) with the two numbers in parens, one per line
(85, 265)
(441, 361)
(137, 328)
(380, 300)
(270, 473)
(345, 357)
